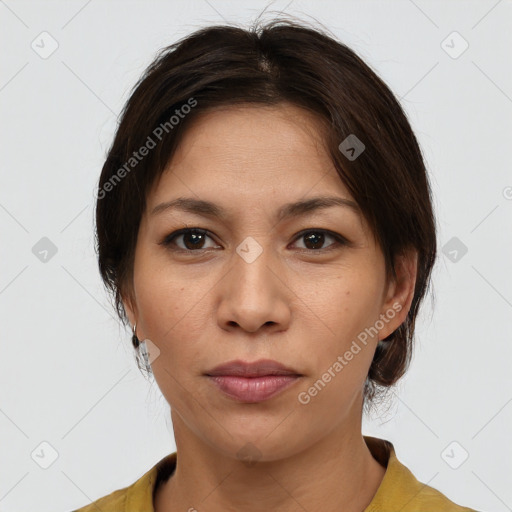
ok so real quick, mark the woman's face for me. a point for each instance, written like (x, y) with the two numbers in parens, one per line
(254, 288)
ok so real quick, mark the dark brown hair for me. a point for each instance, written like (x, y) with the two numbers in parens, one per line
(281, 61)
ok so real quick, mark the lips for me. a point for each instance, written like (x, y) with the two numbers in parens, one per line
(255, 369)
(252, 382)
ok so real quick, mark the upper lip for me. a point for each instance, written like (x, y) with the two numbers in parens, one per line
(252, 369)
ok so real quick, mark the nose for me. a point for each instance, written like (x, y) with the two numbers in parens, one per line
(254, 295)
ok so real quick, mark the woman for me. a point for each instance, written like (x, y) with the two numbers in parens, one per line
(264, 222)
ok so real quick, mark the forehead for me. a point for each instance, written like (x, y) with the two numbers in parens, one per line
(254, 148)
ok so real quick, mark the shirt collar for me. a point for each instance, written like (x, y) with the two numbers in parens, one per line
(398, 488)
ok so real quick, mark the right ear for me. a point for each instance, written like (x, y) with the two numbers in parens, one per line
(130, 308)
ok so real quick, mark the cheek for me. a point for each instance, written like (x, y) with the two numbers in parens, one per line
(171, 317)
(347, 302)
(161, 293)
(348, 305)
(173, 313)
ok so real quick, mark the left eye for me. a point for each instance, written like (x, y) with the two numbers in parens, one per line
(193, 239)
(317, 238)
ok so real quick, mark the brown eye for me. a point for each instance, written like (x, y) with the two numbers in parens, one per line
(314, 240)
(193, 239)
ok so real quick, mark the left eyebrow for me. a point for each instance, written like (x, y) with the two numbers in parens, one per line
(295, 209)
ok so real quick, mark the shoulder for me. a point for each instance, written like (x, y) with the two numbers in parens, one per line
(416, 496)
(429, 498)
(137, 496)
(400, 490)
(114, 502)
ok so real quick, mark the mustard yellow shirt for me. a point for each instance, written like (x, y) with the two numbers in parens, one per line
(399, 490)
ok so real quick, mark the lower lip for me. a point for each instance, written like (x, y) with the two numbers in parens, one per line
(253, 389)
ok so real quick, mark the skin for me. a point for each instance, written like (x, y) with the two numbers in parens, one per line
(301, 308)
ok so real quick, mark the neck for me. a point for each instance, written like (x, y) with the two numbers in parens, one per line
(337, 471)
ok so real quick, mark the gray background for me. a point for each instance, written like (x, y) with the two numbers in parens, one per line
(67, 373)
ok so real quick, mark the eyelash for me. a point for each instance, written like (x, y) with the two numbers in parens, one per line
(339, 240)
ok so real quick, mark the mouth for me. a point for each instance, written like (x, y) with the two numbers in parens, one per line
(261, 368)
(252, 382)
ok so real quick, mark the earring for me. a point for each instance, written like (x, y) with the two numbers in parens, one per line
(142, 349)
(135, 340)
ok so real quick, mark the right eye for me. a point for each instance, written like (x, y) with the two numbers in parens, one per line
(192, 238)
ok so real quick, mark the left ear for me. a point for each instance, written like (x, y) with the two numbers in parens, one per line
(399, 292)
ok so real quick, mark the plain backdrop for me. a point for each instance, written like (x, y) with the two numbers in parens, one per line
(77, 419)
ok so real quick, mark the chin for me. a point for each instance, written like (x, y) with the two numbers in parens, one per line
(264, 443)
